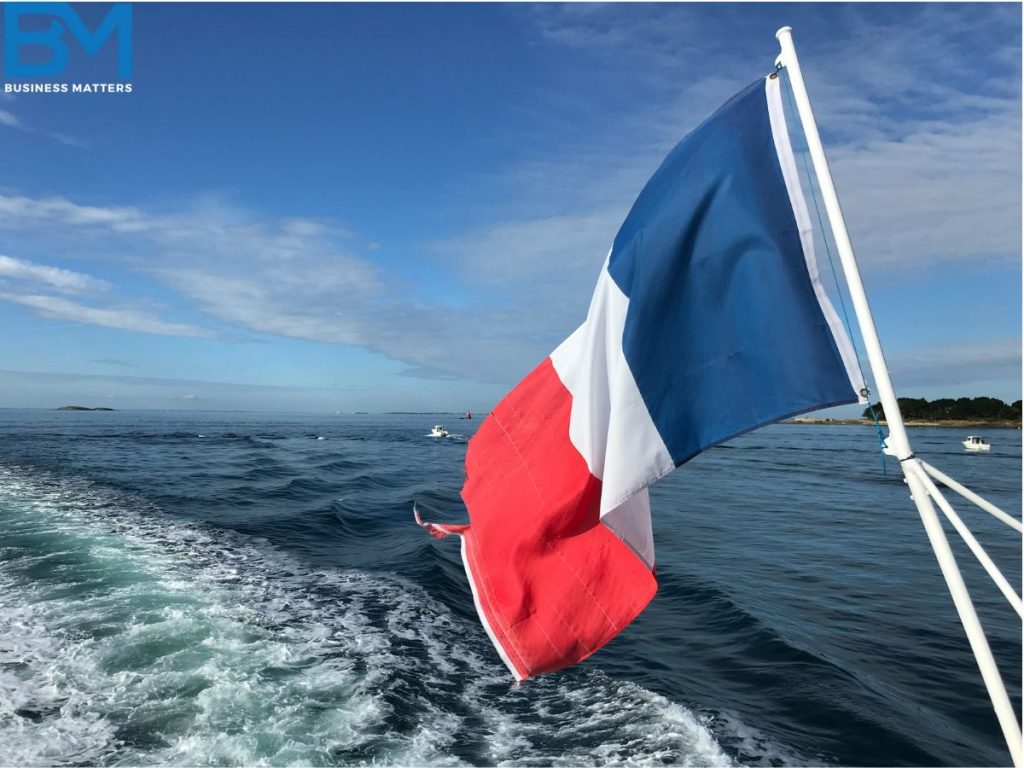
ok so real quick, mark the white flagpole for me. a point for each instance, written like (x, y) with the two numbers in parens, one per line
(899, 441)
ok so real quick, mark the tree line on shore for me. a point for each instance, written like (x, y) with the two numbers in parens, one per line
(959, 409)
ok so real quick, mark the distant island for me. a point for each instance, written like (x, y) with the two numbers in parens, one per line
(944, 412)
(977, 409)
(81, 408)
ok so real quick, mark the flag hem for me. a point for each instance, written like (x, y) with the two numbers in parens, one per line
(484, 618)
(787, 163)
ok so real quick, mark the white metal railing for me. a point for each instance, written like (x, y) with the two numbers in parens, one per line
(970, 495)
(917, 474)
(990, 568)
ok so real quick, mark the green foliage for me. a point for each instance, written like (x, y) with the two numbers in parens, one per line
(960, 409)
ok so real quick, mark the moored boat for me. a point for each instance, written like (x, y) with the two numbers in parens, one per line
(975, 444)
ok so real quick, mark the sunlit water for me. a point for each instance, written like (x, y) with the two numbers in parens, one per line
(229, 589)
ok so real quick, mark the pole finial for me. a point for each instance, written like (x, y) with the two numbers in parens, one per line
(783, 31)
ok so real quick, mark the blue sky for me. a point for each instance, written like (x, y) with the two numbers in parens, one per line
(405, 207)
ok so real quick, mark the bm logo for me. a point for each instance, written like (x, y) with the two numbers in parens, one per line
(37, 35)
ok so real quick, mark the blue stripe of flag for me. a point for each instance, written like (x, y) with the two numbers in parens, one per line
(724, 332)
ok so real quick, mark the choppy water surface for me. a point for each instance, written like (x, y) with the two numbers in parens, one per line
(229, 589)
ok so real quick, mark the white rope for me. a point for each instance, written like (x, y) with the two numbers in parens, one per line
(970, 495)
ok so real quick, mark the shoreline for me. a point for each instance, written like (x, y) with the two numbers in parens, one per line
(947, 423)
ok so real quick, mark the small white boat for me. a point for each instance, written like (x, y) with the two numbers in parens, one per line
(438, 431)
(976, 444)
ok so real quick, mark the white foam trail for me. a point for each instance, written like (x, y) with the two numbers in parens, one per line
(127, 636)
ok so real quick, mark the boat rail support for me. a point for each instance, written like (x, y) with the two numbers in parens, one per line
(973, 545)
(913, 471)
(970, 495)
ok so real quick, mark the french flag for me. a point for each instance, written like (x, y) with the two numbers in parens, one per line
(708, 321)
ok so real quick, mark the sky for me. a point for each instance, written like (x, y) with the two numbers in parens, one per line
(405, 207)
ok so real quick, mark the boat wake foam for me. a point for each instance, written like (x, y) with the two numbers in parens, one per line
(128, 636)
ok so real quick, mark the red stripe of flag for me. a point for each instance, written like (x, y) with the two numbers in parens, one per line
(551, 582)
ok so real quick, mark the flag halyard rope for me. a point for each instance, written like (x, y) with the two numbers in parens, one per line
(866, 393)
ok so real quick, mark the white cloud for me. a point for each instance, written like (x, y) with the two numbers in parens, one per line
(64, 280)
(958, 364)
(125, 319)
(540, 249)
(11, 120)
(949, 194)
(20, 213)
(289, 277)
(20, 281)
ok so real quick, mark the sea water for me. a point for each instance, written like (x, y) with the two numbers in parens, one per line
(230, 589)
